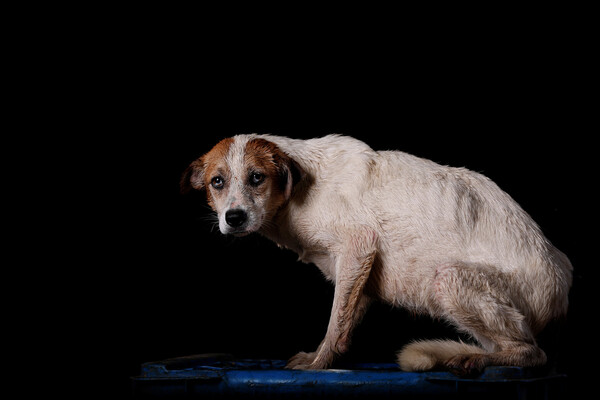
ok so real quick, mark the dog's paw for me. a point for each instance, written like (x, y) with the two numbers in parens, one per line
(467, 365)
(301, 360)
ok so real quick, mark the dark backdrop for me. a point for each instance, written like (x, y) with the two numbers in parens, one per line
(166, 283)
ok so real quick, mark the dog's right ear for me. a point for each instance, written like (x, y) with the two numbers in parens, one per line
(193, 177)
(293, 174)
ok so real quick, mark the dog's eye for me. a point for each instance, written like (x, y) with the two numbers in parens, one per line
(256, 178)
(217, 182)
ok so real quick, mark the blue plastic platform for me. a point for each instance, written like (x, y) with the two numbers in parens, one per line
(215, 375)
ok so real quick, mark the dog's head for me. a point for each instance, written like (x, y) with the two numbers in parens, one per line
(247, 180)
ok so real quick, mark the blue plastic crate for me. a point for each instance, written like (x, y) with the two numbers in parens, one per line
(214, 375)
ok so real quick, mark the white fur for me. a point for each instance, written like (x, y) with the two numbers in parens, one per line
(433, 239)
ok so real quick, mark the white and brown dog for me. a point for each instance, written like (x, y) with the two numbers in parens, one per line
(386, 225)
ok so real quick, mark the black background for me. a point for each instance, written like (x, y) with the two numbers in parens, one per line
(158, 278)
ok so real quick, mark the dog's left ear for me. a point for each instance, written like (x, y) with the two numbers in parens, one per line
(290, 172)
(193, 177)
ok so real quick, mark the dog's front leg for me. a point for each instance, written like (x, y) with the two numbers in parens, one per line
(353, 266)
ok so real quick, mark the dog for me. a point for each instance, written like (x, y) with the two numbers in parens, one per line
(387, 225)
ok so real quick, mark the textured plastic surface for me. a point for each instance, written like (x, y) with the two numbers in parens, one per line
(213, 375)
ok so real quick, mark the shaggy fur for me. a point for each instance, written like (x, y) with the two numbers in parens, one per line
(387, 225)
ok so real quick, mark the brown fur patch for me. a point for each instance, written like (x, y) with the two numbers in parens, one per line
(271, 161)
(266, 154)
(215, 159)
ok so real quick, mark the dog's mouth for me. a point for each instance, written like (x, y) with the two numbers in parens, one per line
(240, 233)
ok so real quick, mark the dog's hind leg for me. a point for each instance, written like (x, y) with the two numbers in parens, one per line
(478, 301)
(353, 265)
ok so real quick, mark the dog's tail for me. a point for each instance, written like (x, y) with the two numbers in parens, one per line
(428, 354)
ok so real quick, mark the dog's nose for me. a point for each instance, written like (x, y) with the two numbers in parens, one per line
(235, 218)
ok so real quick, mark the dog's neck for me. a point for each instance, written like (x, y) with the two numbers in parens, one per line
(281, 231)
